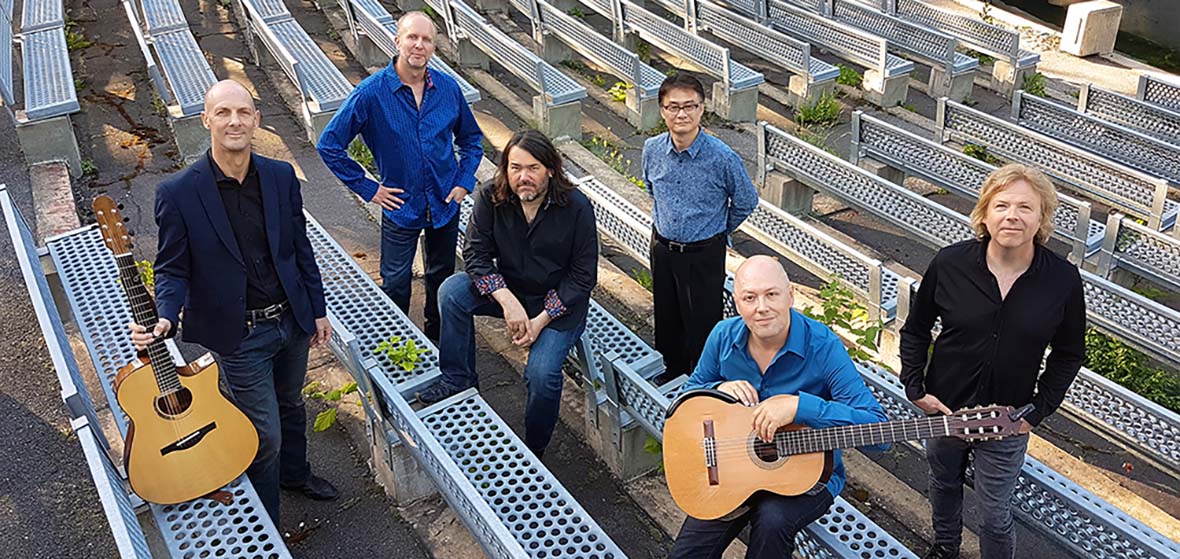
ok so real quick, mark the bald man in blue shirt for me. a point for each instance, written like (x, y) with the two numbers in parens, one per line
(793, 370)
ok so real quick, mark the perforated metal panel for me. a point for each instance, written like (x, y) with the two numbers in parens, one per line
(846, 41)
(186, 68)
(543, 517)
(324, 82)
(1124, 188)
(608, 335)
(207, 528)
(269, 10)
(1153, 429)
(1131, 148)
(1159, 92)
(128, 534)
(932, 47)
(960, 173)
(982, 36)
(669, 37)
(1145, 252)
(625, 64)
(774, 46)
(368, 313)
(1048, 501)
(625, 223)
(935, 224)
(7, 95)
(41, 14)
(1153, 120)
(1136, 319)
(48, 78)
(163, 15)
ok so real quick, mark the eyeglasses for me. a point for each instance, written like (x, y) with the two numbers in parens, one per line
(687, 108)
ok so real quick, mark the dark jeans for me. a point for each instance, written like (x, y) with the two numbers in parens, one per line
(686, 290)
(265, 376)
(997, 465)
(774, 521)
(398, 246)
(459, 304)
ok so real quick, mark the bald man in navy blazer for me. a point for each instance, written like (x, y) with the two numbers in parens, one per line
(234, 256)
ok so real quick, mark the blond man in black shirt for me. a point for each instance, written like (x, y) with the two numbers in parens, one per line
(1003, 298)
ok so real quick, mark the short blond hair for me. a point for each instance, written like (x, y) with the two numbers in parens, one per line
(999, 180)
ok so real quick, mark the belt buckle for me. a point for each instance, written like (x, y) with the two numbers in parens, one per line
(678, 247)
(272, 312)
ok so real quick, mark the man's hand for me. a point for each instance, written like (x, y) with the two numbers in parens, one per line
(533, 331)
(514, 315)
(323, 331)
(141, 338)
(457, 195)
(386, 197)
(931, 405)
(774, 412)
(1025, 427)
(741, 390)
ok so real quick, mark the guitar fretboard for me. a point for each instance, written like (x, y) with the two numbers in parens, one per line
(143, 311)
(848, 436)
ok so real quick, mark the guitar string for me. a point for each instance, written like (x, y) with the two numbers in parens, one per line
(816, 440)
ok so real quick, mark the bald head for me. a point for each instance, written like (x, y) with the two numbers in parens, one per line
(415, 43)
(409, 18)
(227, 90)
(230, 117)
(763, 295)
(763, 269)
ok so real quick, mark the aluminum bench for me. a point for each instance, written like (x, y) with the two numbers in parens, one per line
(1158, 91)
(1139, 321)
(1140, 250)
(322, 88)
(1130, 112)
(1125, 189)
(47, 74)
(7, 86)
(370, 18)
(42, 14)
(963, 175)
(1107, 139)
(184, 65)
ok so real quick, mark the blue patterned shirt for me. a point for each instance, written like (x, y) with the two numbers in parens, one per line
(414, 149)
(813, 365)
(699, 192)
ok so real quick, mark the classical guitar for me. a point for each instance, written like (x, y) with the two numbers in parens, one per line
(185, 439)
(714, 461)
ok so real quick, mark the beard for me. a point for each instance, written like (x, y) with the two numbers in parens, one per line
(532, 195)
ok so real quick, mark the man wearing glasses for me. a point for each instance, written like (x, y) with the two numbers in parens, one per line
(701, 193)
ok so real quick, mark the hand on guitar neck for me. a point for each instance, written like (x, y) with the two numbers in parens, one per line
(140, 337)
(931, 405)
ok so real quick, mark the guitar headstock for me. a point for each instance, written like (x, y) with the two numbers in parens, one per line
(984, 423)
(112, 224)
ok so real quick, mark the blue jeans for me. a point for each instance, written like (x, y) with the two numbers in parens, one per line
(774, 521)
(265, 376)
(459, 304)
(997, 465)
(398, 246)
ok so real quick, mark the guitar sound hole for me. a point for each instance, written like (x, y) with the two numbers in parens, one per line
(174, 403)
(765, 451)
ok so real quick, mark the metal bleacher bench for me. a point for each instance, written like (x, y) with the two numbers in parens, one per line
(842, 532)
(513, 505)
(1142, 251)
(1123, 188)
(45, 60)
(89, 278)
(1160, 92)
(1113, 141)
(371, 19)
(1153, 120)
(322, 88)
(734, 97)
(963, 175)
(1046, 500)
(188, 73)
(7, 86)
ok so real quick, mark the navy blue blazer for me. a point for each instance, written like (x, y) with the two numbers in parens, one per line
(198, 265)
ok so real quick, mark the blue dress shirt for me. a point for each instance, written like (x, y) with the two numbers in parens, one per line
(414, 149)
(813, 365)
(699, 192)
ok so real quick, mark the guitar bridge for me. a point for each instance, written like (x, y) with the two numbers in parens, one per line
(710, 452)
(188, 441)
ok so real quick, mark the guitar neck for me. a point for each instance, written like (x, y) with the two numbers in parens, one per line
(848, 436)
(143, 311)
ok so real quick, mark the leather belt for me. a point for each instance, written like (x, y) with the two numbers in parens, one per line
(677, 246)
(272, 312)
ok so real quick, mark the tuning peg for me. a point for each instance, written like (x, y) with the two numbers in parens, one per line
(126, 219)
(119, 206)
(130, 233)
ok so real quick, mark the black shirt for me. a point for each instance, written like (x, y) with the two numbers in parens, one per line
(550, 264)
(990, 349)
(243, 207)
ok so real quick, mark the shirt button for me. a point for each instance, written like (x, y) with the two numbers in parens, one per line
(994, 335)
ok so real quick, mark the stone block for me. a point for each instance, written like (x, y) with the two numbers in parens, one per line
(787, 193)
(192, 138)
(49, 140)
(643, 114)
(1091, 28)
(558, 121)
(885, 92)
(735, 106)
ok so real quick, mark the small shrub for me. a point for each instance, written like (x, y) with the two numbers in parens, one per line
(618, 92)
(327, 418)
(403, 356)
(841, 310)
(89, 169)
(360, 153)
(75, 40)
(80, 85)
(970, 101)
(1129, 367)
(643, 50)
(848, 76)
(825, 110)
(598, 80)
(577, 12)
(146, 273)
(980, 152)
(1034, 84)
(909, 107)
(642, 277)
(612, 155)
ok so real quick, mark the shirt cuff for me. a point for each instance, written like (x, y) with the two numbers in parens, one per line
(553, 305)
(808, 410)
(490, 283)
(914, 393)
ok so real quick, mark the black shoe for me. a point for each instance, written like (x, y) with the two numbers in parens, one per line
(437, 392)
(314, 487)
(942, 551)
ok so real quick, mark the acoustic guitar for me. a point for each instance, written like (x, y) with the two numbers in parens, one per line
(714, 461)
(185, 439)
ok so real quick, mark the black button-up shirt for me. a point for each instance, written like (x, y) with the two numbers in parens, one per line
(990, 349)
(550, 264)
(243, 207)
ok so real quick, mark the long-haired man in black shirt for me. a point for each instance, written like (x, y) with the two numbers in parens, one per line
(531, 258)
(1003, 299)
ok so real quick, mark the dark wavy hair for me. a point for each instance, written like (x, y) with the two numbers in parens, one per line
(538, 146)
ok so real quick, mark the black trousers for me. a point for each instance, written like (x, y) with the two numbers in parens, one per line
(774, 522)
(686, 284)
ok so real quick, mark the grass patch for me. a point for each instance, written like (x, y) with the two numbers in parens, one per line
(984, 60)
(980, 152)
(643, 50)
(577, 12)
(848, 76)
(818, 137)
(612, 155)
(909, 107)
(75, 40)
(1034, 84)
(360, 153)
(823, 111)
(642, 277)
(89, 169)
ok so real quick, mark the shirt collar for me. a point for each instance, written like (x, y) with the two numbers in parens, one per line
(796, 338)
(1037, 259)
(220, 176)
(693, 149)
(396, 80)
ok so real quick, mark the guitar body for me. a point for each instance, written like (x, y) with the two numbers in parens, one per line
(744, 464)
(182, 447)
